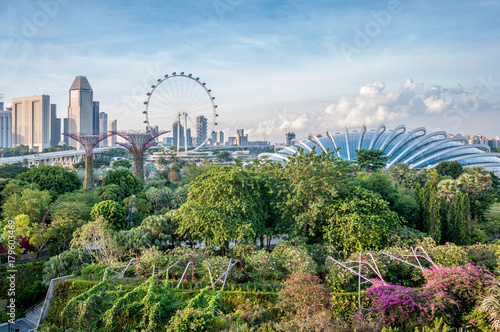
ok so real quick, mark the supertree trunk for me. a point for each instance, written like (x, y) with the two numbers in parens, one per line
(139, 166)
(138, 142)
(89, 142)
(88, 181)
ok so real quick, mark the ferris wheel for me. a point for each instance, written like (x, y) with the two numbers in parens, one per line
(183, 104)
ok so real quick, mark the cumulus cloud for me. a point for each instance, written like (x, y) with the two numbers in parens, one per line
(372, 106)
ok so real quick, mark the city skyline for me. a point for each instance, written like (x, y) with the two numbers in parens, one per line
(302, 67)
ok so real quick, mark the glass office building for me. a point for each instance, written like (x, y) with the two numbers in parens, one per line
(417, 148)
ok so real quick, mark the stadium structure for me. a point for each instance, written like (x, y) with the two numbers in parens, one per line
(416, 147)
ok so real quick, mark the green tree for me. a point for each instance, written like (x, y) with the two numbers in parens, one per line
(122, 177)
(121, 163)
(224, 156)
(371, 160)
(458, 226)
(223, 204)
(491, 225)
(31, 202)
(111, 192)
(402, 175)
(450, 168)
(55, 179)
(407, 208)
(75, 206)
(66, 263)
(379, 183)
(97, 234)
(138, 208)
(363, 220)
(305, 187)
(430, 205)
(112, 212)
(10, 171)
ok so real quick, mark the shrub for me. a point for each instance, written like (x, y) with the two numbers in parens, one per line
(192, 320)
(448, 255)
(66, 263)
(187, 254)
(112, 212)
(482, 255)
(96, 270)
(398, 306)
(241, 251)
(457, 289)
(293, 257)
(218, 266)
(305, 304)
(264, 263)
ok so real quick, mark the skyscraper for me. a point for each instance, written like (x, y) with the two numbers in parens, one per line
(55, 127)
(201, 129)
(95, 114)
(289, 136)
(103, 127)
(175, 128)
(5, 127)
(81, 117)
(221, 138)
(214, 138)
(65, 130)
(241, 138)
(113, 126)
(31, 122)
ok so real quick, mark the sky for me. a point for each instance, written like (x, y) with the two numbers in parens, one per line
(273, 66)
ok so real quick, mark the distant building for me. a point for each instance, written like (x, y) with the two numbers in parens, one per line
(241, 137)
(231, 141)
(113, 126)
(288, 138)
(214, 138)
(201, 129)
(81, 109)
(31, 123)
(103, 127)
(220, 137)
(65, 130)
(55, 130)
(95, 115)
(5, 127)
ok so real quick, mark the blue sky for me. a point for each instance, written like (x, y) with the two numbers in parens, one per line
(300, 65)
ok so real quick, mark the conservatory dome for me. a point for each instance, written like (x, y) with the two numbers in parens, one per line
(416, 147)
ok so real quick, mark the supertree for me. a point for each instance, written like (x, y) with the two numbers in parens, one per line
(138, 142)
(89, 142)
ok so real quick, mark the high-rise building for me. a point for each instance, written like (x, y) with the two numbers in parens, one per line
(175, 128)
(113, 126)
(103, 127)
(95, 114)
(241, 138)
(31, 122)
(214, 138)
(201, 129)
(5, 127)
(220, 137)
(81, 117)
(65, 130)
(231, 140)
(55, 127)
(289, 136)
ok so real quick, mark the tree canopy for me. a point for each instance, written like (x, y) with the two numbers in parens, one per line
(223, 204)
(128, 182)
(55, 179)
(371, 160)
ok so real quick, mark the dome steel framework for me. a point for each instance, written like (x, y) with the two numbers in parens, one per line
(416, 147)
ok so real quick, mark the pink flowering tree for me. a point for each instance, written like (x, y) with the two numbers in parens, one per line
(457, 290)
(399, 306)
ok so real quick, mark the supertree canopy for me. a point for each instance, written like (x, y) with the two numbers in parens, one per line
(89, 142)
(138, 142)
